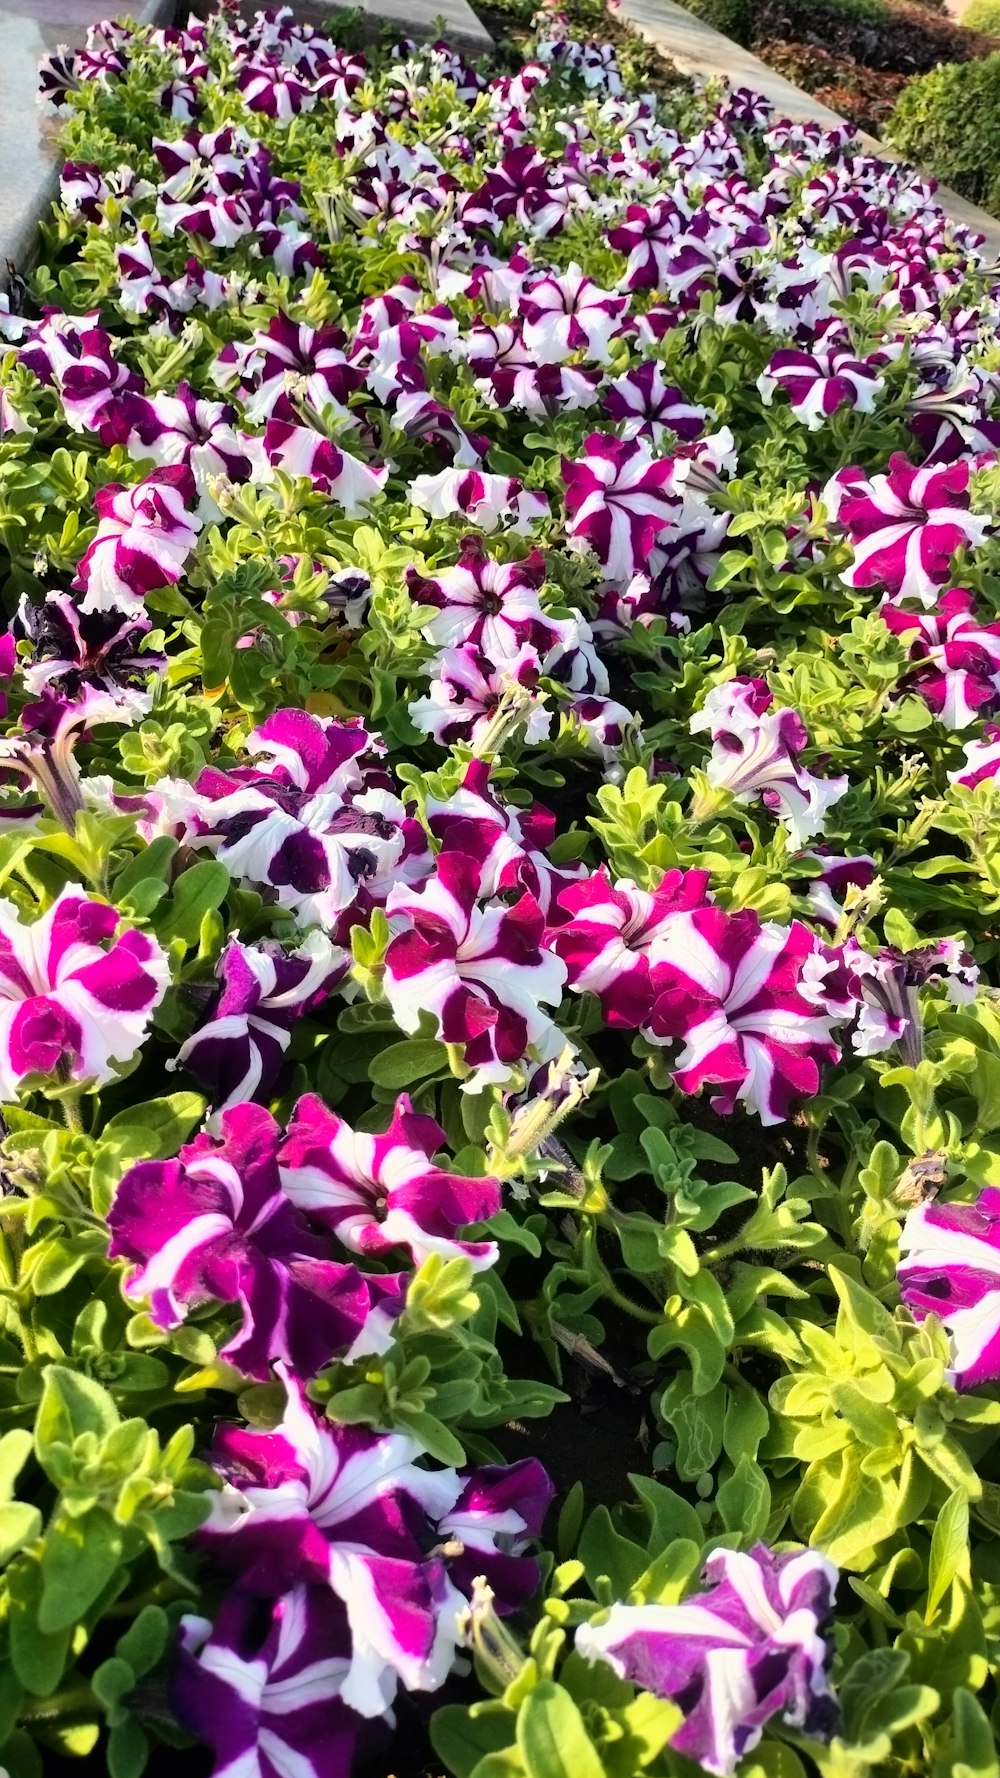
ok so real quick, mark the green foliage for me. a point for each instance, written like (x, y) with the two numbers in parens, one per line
(949, 121)
(983, 15)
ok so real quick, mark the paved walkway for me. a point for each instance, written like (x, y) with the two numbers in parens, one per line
(695, 48)
(29, 159)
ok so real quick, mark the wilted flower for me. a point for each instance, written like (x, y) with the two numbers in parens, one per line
(886, 984)
(746, 1648)
(74, 650)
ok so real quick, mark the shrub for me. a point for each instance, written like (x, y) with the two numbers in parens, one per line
(949, 120)
(983, 15)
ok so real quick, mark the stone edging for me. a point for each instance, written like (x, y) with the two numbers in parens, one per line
(696, 48)
(29, 156)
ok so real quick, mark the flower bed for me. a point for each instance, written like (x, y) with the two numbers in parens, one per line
(501, 858)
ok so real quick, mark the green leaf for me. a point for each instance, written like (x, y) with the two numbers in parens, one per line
(949, 1557)
(745, 1500)
(154, 1131)
(551, 1737)
(403, 1063)
(128, 1749)
(39, 1660)
(79, 1558)
(461, 1737)
(71, 1404)
(19, 1524)
(15, 1449)
(199, 891)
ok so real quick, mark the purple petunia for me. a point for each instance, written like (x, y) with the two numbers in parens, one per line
(77, 993)
(950, 1267)
(215, 1224)
(745, 1649)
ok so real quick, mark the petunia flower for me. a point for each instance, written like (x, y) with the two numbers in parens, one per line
(824, 379)
(566, 313)
(73, 651)
(950, 1267)
(261, 1685)
(755, 752)
(183, 429)
(44, 755)
(647, 407)
(956, 659)
(982, 759)
(905, 526)
(492, 604)
(300, 450)
(745, 1648)
(480, 700)
(886, 986)
(314, 1503)
(144, 537)
(485, 500)
(481, 971)
(310, 819)
(77, 993)
(377, 1192)
(744, 998)
(608, 934)
(618, 498)
(215, 1224)
(236, 1054)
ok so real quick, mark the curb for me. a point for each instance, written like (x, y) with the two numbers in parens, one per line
(696, 48)
(29, 153)
(412, 18)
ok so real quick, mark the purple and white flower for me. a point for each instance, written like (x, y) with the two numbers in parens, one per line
(237, 1053)
(745, 1648)
(261, 1685)
(755, 753)
(480, 970)
(745, 1000)
(905, 526)
(950, 1267)
(618, 499)
(956, 659)
(144, 537)
(77, 993)
(378, 1192)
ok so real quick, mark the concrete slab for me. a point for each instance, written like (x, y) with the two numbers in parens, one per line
(411, 18)
(696, 48)
(29, 157)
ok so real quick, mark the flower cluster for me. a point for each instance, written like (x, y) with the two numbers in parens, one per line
(500, 859)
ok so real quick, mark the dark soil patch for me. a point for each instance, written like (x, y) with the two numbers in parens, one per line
(856, 64)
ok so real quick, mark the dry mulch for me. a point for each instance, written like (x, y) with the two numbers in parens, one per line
(859, 65)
